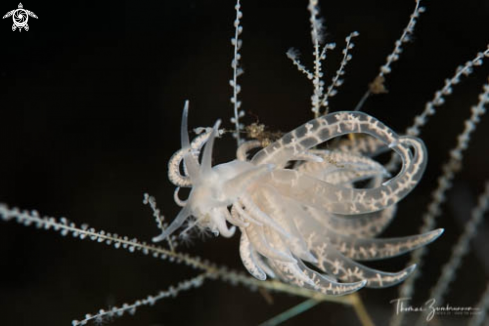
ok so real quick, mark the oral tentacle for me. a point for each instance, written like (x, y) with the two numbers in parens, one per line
(220, 221)
(178, 222)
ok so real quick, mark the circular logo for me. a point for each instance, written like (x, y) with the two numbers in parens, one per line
(20, 18)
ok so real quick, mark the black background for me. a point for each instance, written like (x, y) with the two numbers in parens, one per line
(91, 98)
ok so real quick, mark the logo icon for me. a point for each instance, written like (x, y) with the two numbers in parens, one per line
(20, 17)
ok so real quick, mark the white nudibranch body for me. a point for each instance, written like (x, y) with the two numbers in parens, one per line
(294, 203)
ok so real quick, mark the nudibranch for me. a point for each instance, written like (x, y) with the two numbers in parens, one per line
(307, 216)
